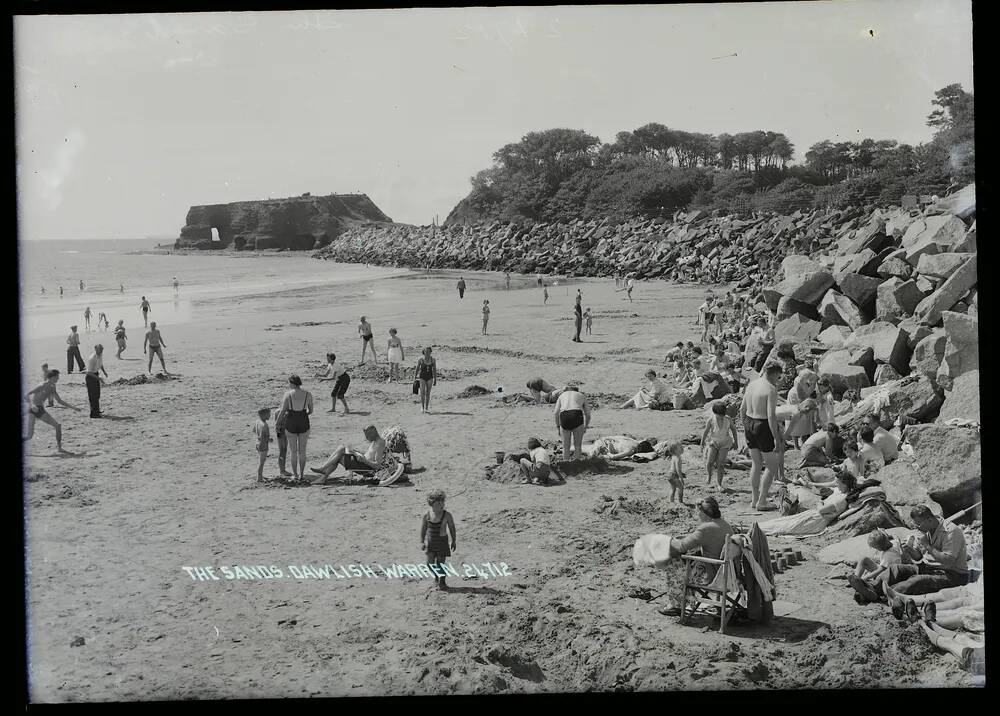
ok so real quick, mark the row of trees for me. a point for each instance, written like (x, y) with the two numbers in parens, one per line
(563, 174)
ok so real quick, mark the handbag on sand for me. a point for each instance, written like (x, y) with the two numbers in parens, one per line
(416, 386)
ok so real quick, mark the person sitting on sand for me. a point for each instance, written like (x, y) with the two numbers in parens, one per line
(883, 441)
(717, 439)
(537, 466)
(655, 393)
(822, 447)
(36, 398)
(353, 460)
(873, 570)
(572, 416)
(543, 391)
(342, 379)
(814, 521)
(940, 557)
(618, 447)
(675, 354)
(871, 454)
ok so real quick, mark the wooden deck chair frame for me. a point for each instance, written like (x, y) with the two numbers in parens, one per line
(397, 470)
(717, 597)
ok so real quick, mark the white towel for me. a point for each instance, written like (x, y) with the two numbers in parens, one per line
(652, 550)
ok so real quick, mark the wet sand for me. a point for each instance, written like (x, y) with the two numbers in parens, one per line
(169, 481)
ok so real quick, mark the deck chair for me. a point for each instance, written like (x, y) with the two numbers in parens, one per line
(724, 595)
(389, 472)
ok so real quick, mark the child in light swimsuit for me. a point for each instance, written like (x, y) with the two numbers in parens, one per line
(676, 475)
(589, 318)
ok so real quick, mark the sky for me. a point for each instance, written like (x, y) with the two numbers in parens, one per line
(125, 121)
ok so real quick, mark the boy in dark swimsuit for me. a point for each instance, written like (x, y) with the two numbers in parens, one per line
(434, 529)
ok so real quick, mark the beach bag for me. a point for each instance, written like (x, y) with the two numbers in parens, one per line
(416, 386)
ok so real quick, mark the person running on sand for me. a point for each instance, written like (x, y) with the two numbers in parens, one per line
(536, 468)
(36, 398)
(263, 435)
(589, 319)
(757, 413)
(434, 529)
(342, 380)
(461, 287)
(156, 345)
(572, 415)
(296, 422)
(486, 315)
(717, 439)
(577, 319)
(86, 318)
(394, 354)
(545, 295)
(368, 461)
(145, 311)
(367, 340)
(426, 372)
(120, 337)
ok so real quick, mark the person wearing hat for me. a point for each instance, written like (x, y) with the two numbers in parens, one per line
(73, 351)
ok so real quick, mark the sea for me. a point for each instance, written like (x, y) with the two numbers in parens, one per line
(207, 282)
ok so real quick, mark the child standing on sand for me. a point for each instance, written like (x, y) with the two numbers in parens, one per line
(263, 434)
(676, 474)
(434, 534)
(588, 318)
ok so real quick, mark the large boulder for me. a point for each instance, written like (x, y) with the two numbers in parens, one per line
(807, 287)
(941, 234)
(962, 401)
(796, 328)
(834, 336)
(888, 342)
(961, 352)
(836, 365)
(788, 306)
(897, 224)
(941, 265)
(894, 266)
(915, 397)
(947, 465)
(962, 203)
(836, 309)
(916, 330)
(860, 289)
(929, 310)
(896, 299)
(865, 262)
(928, 354)
(885, 373)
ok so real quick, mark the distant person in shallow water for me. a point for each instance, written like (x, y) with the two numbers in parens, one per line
(144, 306)
(461, 287)
(367, 340)
(86, 318)
(486, 315)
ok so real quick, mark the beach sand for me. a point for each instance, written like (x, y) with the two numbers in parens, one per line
(169, 481)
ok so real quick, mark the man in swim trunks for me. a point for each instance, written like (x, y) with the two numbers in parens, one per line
(36, 398)
(156, 345)
(367, 340)
(145, 311)
(572, 415)
(354, 460)
(760, 422)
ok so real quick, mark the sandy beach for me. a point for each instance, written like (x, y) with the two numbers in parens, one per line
(168, 481)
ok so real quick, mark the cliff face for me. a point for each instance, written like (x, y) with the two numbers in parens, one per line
(298, 223)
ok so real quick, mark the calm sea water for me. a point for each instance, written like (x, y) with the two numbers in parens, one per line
(105, 266)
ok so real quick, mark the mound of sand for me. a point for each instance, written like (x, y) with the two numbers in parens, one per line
(473, 391)
(142, 379)
(510, 472)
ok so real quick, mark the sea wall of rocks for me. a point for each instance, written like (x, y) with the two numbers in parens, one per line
(300, 223)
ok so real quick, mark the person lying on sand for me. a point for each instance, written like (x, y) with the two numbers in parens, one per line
(353, 460)
(970, 650)
(953, 607)
(618, 447)
(814, 521)
(536, 468)
(655, 393)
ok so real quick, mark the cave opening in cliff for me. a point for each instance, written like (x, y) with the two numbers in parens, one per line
(216, 236)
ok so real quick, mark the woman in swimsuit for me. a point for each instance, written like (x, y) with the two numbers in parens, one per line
(426, 373)
(572, 419)
(342, 380)
(486, 315)
(36, 398)
(120, 337)
(367, 339)
(394, 354)
(296, 407)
